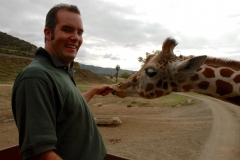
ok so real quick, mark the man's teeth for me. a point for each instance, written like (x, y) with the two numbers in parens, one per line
(70, 46)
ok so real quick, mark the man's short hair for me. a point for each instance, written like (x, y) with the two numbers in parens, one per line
(51, 18)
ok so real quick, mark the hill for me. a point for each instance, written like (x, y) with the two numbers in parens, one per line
(15, 46)
(11, 65)
(104, 71)
(15, 54)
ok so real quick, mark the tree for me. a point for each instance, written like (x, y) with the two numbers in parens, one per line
(111, 76)
(117, 69)
(142, 60)
(125, 75)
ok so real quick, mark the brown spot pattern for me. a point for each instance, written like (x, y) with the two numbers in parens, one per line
(195, 77)
(223, 87)
(134, 79)
(142, 94)
(149, 87)
(165, 85)
(173, 84)
(182, 81)
(226, 72)
(208, 73)
(159, 93)
(159, 83)
(203, 85)
(187, 87)
(236, 79)
(174, 90)
(152, 94)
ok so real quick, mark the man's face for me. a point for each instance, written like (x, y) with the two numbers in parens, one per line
(67, 36)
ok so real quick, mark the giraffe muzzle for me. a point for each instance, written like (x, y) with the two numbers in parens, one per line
(113, 92)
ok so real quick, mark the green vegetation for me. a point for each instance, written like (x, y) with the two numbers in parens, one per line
(84, 87)
(172, 99)
(10, 66)
(125, 75)
(143, 60)
(117, 69)
(15, 46)
(16, 55)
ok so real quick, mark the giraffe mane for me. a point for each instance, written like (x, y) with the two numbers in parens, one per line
(217, 62)
(223, 62)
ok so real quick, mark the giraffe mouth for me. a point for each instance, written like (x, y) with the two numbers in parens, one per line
(117, 91)
(120, 94)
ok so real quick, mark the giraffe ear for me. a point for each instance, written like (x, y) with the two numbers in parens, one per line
(189, 65)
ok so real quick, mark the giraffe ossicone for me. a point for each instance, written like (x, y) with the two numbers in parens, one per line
(165, 73)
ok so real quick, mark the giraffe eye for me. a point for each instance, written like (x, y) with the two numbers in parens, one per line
(150, 72)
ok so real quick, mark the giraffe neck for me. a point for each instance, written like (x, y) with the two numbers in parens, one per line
(220, 82)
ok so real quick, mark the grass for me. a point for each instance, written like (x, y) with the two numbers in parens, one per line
(172, 99)
(84, 87)
(10, 67)
(168, 100)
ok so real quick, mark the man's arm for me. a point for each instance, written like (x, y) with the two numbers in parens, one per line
(49, 155)
(99, 90)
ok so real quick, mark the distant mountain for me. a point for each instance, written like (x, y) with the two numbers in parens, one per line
(15, 46)
(104, 71)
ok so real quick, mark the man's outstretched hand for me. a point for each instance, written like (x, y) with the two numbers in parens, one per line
(104, 90)
(99, 90)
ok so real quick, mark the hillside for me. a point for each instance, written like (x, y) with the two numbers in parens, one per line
(11, 65)
(15, 46)
(106, 71)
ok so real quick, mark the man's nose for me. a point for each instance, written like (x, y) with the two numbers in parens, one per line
(76, 36)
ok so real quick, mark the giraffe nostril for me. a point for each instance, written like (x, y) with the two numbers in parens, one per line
(113, 92)
(119, 84)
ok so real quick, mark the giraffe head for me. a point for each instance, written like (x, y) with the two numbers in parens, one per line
(160, 75)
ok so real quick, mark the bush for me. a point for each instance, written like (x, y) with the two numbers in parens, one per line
(125, 75)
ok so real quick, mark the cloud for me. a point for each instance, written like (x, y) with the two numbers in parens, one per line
(124, 30)
(110, 56)
(234, 52)
(233, 15)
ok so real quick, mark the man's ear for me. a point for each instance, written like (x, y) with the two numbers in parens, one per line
(47, 33)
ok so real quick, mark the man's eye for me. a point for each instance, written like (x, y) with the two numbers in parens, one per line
(66, 30)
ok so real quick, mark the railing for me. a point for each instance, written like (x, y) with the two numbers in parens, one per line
(12, 153)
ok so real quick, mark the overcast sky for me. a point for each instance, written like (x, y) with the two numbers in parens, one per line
(118, 32)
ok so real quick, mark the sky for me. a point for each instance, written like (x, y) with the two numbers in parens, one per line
(118, 32)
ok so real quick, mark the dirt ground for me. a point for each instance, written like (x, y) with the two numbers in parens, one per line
(152, 132)
(148, 132)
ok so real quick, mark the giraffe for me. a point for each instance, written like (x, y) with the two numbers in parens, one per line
(165, 73)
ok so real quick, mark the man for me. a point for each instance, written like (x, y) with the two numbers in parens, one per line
(52, 116)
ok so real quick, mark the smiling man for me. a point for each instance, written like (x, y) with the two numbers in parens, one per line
(65, 39)
(52, 116)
